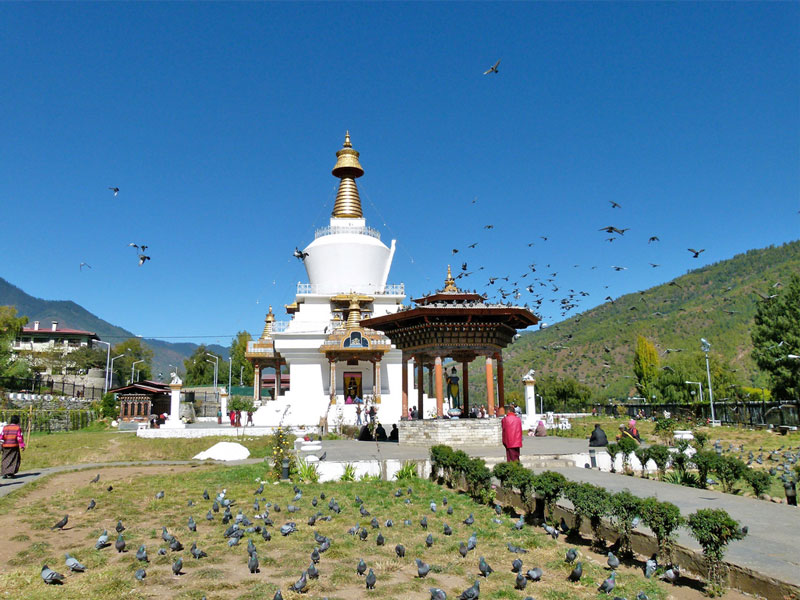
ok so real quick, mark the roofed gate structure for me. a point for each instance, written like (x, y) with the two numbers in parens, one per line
(453, 324)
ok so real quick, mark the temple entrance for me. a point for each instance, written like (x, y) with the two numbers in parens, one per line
(353, 388)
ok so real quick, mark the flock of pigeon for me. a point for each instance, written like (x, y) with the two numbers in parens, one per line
(237, 527)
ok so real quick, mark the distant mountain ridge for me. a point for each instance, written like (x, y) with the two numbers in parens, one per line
(717, 301)
(70, 314)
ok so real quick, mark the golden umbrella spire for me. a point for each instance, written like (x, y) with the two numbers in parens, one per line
(348, 169)
(354, 316)
(268, 321)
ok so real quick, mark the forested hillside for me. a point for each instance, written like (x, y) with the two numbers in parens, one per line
(716, 302)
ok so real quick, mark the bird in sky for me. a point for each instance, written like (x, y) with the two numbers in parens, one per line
(654, 265)
(488, 226)
(455, 250)
(695, 253)
(115, 190)
(140, 248)
(84, 264)
(300, 255)
(614, 204)
(616, 268)
(612, 229)
(653, 238)
(493, 68)
(143, 258)
(472, 245)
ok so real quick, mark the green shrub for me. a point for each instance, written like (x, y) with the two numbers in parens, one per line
(663, 519)
(627, 446)
(624, 508)
(643, 454)
(307, 472)
(407, 472)
(704, 461)
(349, 474)
(590, 502)
(714, 529)
(109, 406)
(478, 478)
(665, 429)
(513, 475)
(729, 470)
(700, 439)
(759, 480)
(680, 459)
(660, 455)
(550, 486)
(613, 449)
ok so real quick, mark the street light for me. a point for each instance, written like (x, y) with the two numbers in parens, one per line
(241, 371)
(707, 348)
(108, 356)
(216, 370)
(230, 376)
(699, 384)
(136, 362)
(111, 373)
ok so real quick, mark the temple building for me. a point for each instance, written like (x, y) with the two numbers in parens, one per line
(334, 363)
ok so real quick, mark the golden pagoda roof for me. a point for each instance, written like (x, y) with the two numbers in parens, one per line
(268, 321)
(449, 282)
(348, 169)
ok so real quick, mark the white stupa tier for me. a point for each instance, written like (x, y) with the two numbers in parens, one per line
(348, 269)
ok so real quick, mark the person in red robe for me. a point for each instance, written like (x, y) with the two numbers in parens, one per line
(512, 435)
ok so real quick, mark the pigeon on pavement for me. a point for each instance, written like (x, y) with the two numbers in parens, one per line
(534, 574)
(472, 592)
(140, 574)
(422, 568)
(484, 567)
(608, 585)
(520, 582)
(301, 584)
(361, 568)
(613, 561)
(572, 554)
(61, 523)
(370, 580)
(120, 543)
(177, 566)
(102, 541)
(576, 573)
(438, 594)
(141, 554)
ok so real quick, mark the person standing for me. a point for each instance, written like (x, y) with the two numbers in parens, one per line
(219, 416)
(232, 416)
(250, 418)
(13, 443)
(512, 436)
(358, 414)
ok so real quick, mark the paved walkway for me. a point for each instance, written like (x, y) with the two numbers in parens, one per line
(770, 548)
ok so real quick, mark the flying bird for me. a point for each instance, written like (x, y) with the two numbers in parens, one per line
(84, 264)
(696, 253)
(614, 204)
(493, 68)
(299, 254)
(616, 268)
(115, 190)
(612, 229)
(653, 238)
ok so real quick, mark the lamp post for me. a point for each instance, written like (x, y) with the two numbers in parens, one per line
(700, 385)
(241, 371)
(108, 357)
(136, 362)
(111, 372)
(230, 367)
(706, 349)
(216, 370)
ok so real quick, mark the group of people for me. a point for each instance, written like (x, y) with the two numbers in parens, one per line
(368, 412)
(236, 417)
(380, 434)
(598, 437)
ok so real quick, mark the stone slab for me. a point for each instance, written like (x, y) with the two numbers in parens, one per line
(452, 432)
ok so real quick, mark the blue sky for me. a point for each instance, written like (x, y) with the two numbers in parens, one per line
(219, 122)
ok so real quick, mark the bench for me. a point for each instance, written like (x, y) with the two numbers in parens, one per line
(784, 429)
(683, 434)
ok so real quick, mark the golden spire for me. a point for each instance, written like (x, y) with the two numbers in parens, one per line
(354, 316)
(268, 321)
(450, 283)
(348, 169)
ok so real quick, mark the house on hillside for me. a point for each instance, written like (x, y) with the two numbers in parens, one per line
(35, 339)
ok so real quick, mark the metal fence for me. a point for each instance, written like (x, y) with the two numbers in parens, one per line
(749, 414)
(46, 385)
(50, 420)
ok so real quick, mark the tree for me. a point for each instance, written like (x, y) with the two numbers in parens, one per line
(645, 366)
(87, 357)
(775, 336)
(10, 327)
(132, 350)
(550, 486)
(237, 354)
(200, 368)
(625, 507)
(591, 502)
(563, 393)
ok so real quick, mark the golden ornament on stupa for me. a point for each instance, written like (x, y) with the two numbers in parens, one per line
(348, 169)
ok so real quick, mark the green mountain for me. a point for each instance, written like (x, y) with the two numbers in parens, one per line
(72, 315)
(716, 302)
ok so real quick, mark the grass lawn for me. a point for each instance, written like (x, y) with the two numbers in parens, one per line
(77, 447)
(27, 516)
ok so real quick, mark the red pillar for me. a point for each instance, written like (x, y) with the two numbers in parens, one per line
(501, 395)
(420, 385)
(404, 401)
(439, 391)
(489, 386)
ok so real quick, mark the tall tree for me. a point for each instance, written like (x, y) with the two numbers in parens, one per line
(645, 366)
(132, 350)
(10, 327)
(776, 336)
(200, 368)
(237, 352)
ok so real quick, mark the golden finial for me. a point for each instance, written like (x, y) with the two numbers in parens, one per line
(449, 283)
(268, 321)
(348, 169)
(354, 316)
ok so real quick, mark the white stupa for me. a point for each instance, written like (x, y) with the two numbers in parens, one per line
(334, 364)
